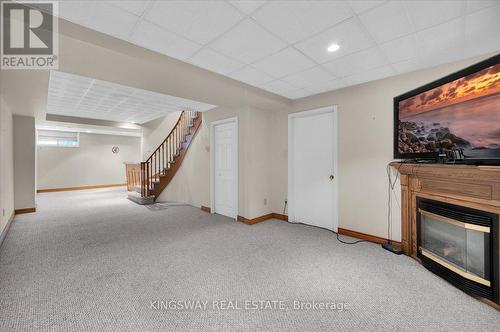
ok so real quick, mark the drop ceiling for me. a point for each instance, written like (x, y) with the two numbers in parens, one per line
(83, 97)
(281, 46)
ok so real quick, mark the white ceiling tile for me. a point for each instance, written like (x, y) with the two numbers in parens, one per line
(136, 7)
(482, 31)
(427, 13)
(387, 21)
(295, 20)
(76, 11)
(283, 63)
(211, 60)
(96, 15)
(326, 86)
(411, 35)
(295, 94)
(401, 49)
(251, 76)
(441, 37)
(357, 62)
(120, 25)
(110, 101)
(360, 6)
(349, 35)
(247, 6)
(278, 87)
(247, 42)
(157, 39)
(370, 75)
(309, 77)
(438, 57)
(474, 5)
(199, 21)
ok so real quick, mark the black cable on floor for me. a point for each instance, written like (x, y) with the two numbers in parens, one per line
(326, 229)
(341, 241)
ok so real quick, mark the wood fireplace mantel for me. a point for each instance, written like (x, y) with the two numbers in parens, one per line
(476, 187)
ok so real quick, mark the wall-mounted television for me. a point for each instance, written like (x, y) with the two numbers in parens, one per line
(459, 111)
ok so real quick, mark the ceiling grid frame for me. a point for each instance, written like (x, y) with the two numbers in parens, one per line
(245, 71)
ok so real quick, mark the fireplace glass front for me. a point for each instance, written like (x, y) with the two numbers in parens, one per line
(459, 244)
(465, 248)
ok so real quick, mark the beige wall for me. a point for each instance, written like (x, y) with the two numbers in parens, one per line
(365, 121)
(192, 182)
(6, 165)
(258, 159)
(365, 148)
(92, 54)
(92, 163)
(365, 114)
(24, 162)
(155, 132)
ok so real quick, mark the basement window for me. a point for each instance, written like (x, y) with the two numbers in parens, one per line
(64, 139)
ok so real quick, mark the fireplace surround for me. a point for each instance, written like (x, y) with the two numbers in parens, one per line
(450, 221)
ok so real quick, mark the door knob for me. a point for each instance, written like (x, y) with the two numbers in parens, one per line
(332, 177)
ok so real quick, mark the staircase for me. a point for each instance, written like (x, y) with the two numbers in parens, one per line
(146, 180)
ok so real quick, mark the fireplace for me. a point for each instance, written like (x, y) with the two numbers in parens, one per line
(460, 244)
(446, 213)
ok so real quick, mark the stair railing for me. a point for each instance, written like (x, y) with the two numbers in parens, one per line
(164, 155)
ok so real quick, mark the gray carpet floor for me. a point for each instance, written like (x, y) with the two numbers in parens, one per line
(93, 260)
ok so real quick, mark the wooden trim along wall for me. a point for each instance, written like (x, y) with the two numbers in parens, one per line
(26, 210)
(254, 220)
(278, 216)
(367, 237)
(263, 218)
(3, 234)
(82, 188)
(342, 231)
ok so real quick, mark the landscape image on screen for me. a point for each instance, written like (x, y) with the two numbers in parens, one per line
(464, 113)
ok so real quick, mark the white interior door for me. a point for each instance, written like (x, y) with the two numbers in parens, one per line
(312, 168)
(225, 169)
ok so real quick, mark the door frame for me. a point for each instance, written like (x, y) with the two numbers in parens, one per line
(291, 185)
(213, 124)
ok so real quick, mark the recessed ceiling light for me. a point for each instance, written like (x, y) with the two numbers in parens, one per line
(333, 48)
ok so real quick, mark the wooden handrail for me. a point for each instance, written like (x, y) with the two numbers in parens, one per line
(169, 134)
(150, 172)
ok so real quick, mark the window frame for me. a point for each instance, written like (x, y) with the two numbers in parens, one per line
(59, 140)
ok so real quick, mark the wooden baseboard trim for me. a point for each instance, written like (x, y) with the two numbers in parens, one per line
(255, 220)
(367, 237)
(262, 218)
(26, 210)
(4, 232)
(278, 216)
(81, 188)
(205, 209)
